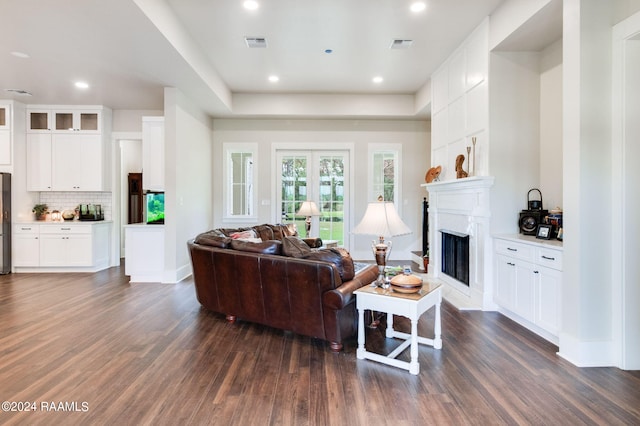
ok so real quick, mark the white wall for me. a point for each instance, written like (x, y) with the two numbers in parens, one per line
(586, 336)
(188, 180)
(128, 120)
(310, 134)
(551, 125)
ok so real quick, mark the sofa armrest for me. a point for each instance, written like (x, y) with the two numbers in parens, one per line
(340, 297)
(313, 242)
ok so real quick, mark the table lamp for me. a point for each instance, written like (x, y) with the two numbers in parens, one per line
(308, 209)
(382, 220)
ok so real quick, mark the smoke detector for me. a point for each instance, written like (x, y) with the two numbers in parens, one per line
(400, 44)
(255, 42)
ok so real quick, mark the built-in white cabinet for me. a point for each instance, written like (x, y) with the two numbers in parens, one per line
(153, 153)
(528, 280)
(144, 252)
(61, 246)
(5, 134)
(26, 245)
(66, 150)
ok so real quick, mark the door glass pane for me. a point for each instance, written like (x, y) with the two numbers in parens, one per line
(89, 121)
(331, 191)
(241, 183)
(3, 119)
(64, 121)
(294, 189)
(383, 176)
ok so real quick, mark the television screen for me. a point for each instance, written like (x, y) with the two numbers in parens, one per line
(155, 207)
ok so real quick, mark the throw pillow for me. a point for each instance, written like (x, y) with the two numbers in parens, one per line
(264, 247)
(248, 235)
(212, 239)
(294, 247)
(339, 257)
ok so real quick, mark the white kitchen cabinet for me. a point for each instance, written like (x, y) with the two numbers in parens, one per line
(77, 121)
(26, 245)
(39, 120)
(5, 116)
(528, 280)
(153, 153)
(5, 134)
(39, 162)
(61, 246)
(77, 162)
(69, 152)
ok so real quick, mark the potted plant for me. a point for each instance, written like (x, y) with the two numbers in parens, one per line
(40, 211)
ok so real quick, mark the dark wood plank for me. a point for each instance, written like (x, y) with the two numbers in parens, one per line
(149, 354)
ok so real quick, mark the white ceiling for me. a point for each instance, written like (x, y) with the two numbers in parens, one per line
(129, 50)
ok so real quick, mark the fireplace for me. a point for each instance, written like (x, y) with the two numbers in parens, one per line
(460, 239)
(455, 255)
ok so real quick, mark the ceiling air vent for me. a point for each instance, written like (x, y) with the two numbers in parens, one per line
(255, 42)
(18, 92)
(401, 44)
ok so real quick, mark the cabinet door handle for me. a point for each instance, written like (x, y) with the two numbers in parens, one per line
(65, 229)
(536, 272)
(26, 229)
(511, 264)
(511, 249)
(548, 258)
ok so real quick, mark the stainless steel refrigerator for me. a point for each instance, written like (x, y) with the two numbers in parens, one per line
(5, 221)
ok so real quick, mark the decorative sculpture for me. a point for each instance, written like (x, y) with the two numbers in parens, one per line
(460, 173)
(432, 174)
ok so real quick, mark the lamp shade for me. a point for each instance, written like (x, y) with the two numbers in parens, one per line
(381, 219)
(308, 208)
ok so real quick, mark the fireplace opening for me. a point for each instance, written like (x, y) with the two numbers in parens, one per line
(455, 255)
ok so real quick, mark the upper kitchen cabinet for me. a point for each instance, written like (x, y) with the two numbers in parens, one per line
(56, 119)
(68, 148)
(5, 117)
(153, 153)
(5, 134)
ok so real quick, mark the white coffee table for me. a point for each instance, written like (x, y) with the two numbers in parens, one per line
(411, 306)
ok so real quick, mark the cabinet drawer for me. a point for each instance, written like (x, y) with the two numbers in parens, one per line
(549, 258)
(510, 248)
(26, 229)
(65, 229)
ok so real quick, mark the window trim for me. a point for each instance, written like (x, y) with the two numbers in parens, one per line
(385, 148)
(229, 148)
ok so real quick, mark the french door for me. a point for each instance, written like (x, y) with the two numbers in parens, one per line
(320, 176)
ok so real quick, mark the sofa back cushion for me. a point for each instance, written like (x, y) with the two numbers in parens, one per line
(264, 247)
(294, 247)
(213, 239)
(339, 257)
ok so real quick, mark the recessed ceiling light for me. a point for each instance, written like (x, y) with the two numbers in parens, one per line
(20, 55)
(377, 79)
(274, 78)
(251, 5)
(418, 6)
(81, 85)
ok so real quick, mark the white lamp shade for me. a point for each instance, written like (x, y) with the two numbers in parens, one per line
(381, 219)
(308, 208)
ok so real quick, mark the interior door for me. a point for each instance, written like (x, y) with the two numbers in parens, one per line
(319, 176)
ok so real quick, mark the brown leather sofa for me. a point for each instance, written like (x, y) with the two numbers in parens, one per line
(309, 292)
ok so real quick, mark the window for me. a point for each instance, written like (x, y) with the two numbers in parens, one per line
(240, 182)
(383, 172)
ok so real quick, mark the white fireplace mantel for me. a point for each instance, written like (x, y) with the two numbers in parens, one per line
(464, 206)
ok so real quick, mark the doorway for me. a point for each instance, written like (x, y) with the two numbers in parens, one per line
(320, 176)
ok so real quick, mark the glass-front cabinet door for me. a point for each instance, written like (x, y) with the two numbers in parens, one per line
(77, 121)
(5, 117)
(38, 120)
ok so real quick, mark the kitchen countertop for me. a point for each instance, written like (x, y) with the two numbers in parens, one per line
(531, 239)
(65, 222)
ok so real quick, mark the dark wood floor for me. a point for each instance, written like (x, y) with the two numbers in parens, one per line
(148, 354)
